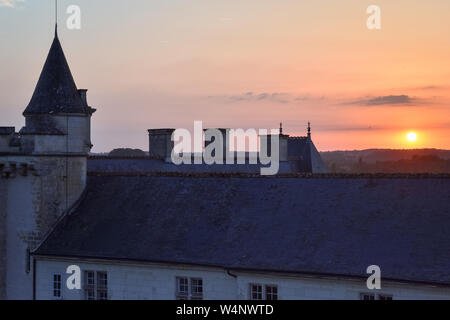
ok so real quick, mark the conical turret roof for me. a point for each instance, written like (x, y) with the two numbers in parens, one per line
(56, 91)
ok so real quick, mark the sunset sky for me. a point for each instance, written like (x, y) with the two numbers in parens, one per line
(245, 64)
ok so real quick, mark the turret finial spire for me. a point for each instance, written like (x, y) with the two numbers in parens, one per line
(309, 129)
(56, 18)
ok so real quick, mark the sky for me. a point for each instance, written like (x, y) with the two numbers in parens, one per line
(242, 64)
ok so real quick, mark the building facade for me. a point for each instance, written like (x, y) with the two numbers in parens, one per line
(147, 229)
(139, 281)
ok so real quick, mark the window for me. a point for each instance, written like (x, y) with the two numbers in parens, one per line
(189, 289)
(367, 296)
(256, 292)
(371, 296)
(196, 289)
(57, 286)
(102, 286)
(89, 288)
(261, 292)
(182, 288)
(271, 293)
(96, 285)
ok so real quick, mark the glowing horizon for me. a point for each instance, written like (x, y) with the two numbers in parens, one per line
(241, 65)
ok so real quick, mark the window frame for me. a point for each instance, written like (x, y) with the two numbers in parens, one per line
(385, 297)
(179, 294)
(258, 292)
(199, 284)
(376, 296)
(363, 294)
(264, 292)
(54, 289)
(88, 287)
(95, 291)
(273, 288)
(102, 288)
(188, 284)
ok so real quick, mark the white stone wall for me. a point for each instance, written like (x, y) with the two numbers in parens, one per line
(20, 224)
(3, 235)
(49, 144)
(134, 281)
(157, 281)
(31, 203)
(79, 132)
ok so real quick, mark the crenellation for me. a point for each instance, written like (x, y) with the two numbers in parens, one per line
(10, 169)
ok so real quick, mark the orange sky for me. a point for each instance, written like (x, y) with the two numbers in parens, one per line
(244, 64)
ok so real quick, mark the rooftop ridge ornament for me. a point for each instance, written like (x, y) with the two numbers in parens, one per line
(56, 18)
(309, 129)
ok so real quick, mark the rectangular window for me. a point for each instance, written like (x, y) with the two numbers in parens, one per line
(57, 286)
(256, 292)
(182, 289)
(371, 296)
(196, 289)
(89, 285)
(189, 289)
(271, 293)
(96, 285)
(261, 292)
(102, 286)
(367, 296)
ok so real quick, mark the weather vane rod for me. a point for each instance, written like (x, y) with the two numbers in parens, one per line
(56, 17)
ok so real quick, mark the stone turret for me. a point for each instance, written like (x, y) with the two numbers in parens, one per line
(43, 170)
(57, 119)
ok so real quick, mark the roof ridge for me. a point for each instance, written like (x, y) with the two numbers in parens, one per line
(255, 175)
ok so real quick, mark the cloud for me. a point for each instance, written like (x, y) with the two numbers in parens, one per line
(265, 96)
(429, 88)
(385, 101)
(351, 128)
(374, 128)
(10, 3)
(277, 97)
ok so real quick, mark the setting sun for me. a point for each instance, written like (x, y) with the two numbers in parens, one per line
(412, 136)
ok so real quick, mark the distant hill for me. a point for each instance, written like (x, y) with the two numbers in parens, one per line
(127, 152)
(388, 161)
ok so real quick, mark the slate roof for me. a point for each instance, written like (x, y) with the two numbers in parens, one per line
(56, 91)
(330, 226)
(105, 164)
(304, 156)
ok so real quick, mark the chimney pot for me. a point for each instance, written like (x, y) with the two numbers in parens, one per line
(83, 95)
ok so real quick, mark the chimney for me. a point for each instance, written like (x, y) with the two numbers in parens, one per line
(225, 137)
(283, 145)
(83, 95)
(161, 144)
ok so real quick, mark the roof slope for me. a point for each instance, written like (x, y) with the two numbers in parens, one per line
(304, 156)
(56, 91)
(328, 226)
(105, 164)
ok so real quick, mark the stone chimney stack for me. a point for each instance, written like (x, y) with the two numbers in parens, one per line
(83, 95)
(161, 144)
